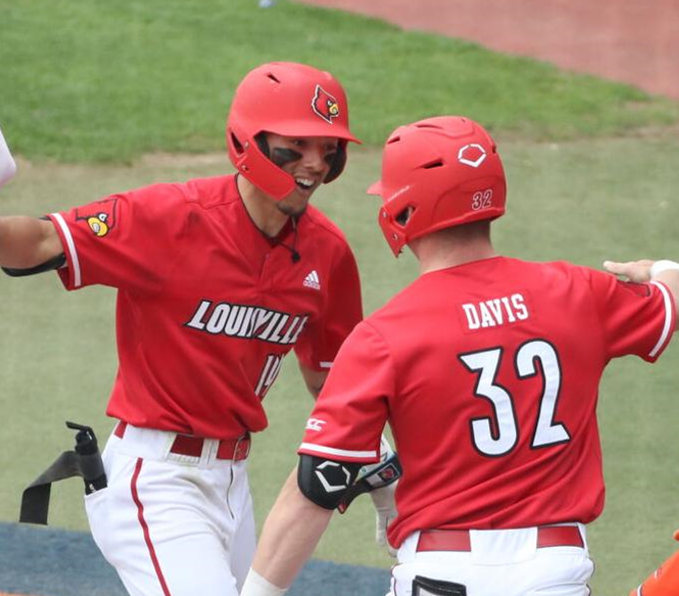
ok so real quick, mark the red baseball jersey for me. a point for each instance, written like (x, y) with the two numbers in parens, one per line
(207, 306)
(488, 374)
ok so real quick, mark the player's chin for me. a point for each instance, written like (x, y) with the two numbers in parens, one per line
(296, 202)
(295, 211)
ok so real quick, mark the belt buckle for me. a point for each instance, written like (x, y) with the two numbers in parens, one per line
(242, 448)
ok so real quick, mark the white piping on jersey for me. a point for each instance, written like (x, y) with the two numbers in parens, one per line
(668, 319)
(325, 364)
(77, 281)
(333, 451)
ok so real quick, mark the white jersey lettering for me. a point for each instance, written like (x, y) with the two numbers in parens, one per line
(197, 319)
(495, 311)
(486, 318)
(495, 308)
(287, 338)
(508, 309)
(218, 318)
(472, 318)
(266, 333)
(248, 322)
(299, 329)
(520, 306)
(270, 371)
(276, 335)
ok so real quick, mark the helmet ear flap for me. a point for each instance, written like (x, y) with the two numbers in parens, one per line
(338, 162)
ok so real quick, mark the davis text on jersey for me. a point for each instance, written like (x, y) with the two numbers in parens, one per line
(495, 311)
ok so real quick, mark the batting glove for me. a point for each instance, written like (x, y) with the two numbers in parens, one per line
(385, 508)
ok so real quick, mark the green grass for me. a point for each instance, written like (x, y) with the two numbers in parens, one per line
(110, 80)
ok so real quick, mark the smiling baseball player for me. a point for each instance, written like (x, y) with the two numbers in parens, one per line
(217, 280)
(487, 370)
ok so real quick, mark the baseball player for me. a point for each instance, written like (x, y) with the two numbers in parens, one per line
(7, 165)
(217, 280)
(487, 370)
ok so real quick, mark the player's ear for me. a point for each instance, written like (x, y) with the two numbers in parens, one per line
(337, 162)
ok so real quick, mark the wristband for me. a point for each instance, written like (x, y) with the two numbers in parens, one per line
(256, 585)
(385, 449)
(663, 265)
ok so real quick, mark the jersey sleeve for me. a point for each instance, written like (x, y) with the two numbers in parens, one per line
(317, 346)
(348, 418)
(636, 318)
(124, 240)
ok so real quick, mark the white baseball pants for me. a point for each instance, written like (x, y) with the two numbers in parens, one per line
(173, 525)
(506, 562)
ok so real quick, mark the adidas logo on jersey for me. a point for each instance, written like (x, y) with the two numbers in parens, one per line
(312, 280)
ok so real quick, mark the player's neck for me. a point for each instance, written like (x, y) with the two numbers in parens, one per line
(442, 250)
(261, 208)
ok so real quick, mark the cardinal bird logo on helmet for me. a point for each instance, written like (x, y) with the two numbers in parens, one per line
(325, 105)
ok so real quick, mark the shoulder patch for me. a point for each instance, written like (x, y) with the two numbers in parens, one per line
(100, 216)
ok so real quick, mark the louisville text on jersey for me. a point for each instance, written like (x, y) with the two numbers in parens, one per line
(247, 322)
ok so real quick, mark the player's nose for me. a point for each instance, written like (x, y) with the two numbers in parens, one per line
(314, 158)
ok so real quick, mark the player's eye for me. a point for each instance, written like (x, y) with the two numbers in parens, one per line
(282, 156)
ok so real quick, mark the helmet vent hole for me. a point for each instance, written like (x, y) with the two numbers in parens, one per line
(433, 164)
(273, 77)
(403, 217)
(393, 140)
(236, 143)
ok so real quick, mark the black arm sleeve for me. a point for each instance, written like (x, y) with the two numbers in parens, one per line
(53, 263)
(324, 481)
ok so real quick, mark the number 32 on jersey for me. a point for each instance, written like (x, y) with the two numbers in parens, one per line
(498, 436)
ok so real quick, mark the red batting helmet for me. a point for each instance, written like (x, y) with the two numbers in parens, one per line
(288, 99)
(437, 173)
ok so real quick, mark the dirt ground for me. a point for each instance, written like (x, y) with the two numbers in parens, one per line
(632, 41)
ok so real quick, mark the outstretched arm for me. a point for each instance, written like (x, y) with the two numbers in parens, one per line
(646, 270)
(27, 242)
(290, 534)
